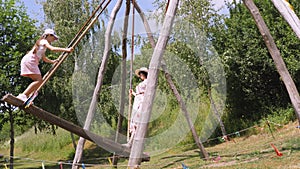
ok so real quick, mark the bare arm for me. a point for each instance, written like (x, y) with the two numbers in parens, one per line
(58, 49)
(131, 92)
(47, 60)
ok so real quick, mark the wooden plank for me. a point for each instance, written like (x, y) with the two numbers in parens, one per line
(105, 143)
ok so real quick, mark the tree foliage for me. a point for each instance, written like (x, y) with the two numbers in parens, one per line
(68, 16)
(15, 41)
(253, 82)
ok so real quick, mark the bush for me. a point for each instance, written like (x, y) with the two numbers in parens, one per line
(278, 117)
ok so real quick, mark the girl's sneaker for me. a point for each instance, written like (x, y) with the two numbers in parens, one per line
(22, 97)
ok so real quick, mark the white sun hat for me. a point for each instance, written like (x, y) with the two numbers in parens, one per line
(50, 32)
(142, 69)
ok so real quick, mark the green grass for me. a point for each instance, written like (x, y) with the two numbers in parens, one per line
(34, 148)
(252, 151)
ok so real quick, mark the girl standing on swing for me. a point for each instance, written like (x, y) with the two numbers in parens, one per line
(138, 94)
(30, 62)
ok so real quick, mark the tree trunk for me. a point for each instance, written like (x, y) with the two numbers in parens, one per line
(279, 63)
(123, 76)
(12, 140)
(289, 15)
(138, 143)
(172, 86)
(97, 89)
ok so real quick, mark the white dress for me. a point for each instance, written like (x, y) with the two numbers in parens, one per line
(137, 105)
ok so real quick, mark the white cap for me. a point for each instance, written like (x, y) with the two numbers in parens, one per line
(50, 32)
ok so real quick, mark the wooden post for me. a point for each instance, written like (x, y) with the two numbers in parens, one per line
(138, 143)
(288, 14)
(12, 139)
(172, 86)
(123, 80)
(98, 86)
(279, 63)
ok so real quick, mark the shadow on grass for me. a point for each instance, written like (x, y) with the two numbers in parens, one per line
(240, 156)
(182, 157)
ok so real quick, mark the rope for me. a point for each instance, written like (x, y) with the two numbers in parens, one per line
(131, 70)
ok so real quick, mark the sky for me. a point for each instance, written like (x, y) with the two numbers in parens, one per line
(34, 10)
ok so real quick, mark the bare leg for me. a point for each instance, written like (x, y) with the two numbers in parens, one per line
(37, 80)
(131, 137)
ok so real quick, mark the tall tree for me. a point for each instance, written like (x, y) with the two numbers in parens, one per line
(15, 41)
(203, 15)
(123, 79)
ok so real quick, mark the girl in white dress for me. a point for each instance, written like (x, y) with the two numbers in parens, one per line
(138, 94)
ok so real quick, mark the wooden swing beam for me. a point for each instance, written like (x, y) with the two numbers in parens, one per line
(105, 143)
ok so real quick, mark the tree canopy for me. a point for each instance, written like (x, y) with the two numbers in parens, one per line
(15, 41)
(254, 86)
